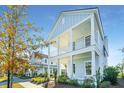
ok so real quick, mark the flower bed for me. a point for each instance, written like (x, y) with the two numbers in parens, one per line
(39, 80)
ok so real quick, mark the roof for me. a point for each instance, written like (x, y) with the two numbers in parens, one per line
(95, 11)
(40, 55)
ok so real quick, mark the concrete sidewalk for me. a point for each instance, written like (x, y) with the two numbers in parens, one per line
(30, 85)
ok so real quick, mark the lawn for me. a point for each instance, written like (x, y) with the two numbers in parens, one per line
(15, 85)
(4, 78)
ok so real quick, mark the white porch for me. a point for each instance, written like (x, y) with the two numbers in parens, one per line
(78, 66)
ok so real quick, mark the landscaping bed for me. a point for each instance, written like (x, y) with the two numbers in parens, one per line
(39, 80)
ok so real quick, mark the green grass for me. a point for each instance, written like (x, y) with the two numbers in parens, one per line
(4, 78)
(15, 85)
(120, 75)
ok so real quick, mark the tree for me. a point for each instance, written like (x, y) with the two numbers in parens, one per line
(110, 74)
(14, 39)
(121, 65)
(121, 69)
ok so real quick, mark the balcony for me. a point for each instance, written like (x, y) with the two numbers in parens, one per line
(82, 43)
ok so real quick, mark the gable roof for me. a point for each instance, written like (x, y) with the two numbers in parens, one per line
(87, 11)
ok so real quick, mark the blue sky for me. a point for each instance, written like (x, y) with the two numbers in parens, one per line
(112, 20)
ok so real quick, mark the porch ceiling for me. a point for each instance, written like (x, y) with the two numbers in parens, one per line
(83, 55)
(64, 60)
(82, 29)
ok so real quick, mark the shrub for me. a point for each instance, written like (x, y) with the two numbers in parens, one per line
(62, 79)
(88, 83)
(105, 84)
(110, 74)
(72, 82)
(39, 80)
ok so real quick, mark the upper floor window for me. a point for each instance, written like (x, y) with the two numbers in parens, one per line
(73, 44)
(87, 41)
(104, 51)
(88, 68)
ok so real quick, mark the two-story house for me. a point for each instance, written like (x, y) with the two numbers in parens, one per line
(79, 45)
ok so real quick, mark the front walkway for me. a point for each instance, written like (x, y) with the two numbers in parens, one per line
(30, 85)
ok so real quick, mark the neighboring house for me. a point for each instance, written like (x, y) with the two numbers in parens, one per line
(40, 61)
(78, 44)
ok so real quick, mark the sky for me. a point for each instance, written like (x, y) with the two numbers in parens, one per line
(112, 20)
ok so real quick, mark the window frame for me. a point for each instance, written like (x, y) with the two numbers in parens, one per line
(86, 69)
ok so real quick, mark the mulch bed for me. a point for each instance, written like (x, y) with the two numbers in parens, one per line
(51, 84)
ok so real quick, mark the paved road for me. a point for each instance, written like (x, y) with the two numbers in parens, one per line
(15, 80)
(121, 83)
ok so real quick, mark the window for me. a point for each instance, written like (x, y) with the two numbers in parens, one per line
(88, 68)
(74, 68)
(104, 51)
(51, 71)
(45, 60)
(73, 44)
(87, 41)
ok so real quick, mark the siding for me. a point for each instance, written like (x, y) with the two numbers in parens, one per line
(66, 22)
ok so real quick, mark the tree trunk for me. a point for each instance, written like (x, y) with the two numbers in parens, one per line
(11, 79)
(8, 80)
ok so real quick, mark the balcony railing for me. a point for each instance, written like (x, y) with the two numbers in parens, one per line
(81, 43)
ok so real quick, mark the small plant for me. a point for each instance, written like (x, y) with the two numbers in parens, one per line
(62, 79)
(88, 83)
(110, 74)
(105, 84)
(73, 82)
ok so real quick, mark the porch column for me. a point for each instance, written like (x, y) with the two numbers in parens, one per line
(58, 68)
(93, 64)
(71, 67)
(58, 46)
(71, 40)
(92, 30)
(49, 61)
